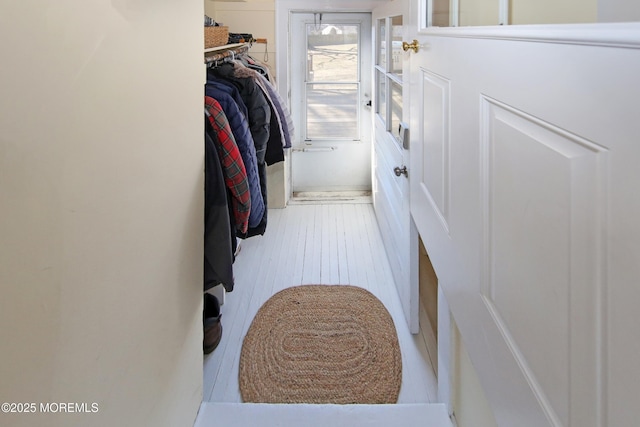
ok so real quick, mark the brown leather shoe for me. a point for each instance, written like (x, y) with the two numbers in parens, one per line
(211, 322)
(212, 334)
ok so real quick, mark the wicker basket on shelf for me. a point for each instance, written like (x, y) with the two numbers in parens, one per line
(215, 36)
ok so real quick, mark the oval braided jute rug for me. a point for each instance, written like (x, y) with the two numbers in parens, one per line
(321, 344)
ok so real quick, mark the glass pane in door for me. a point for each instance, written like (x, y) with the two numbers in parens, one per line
(440, 15)
(332, 111)
(333, 82)
(396, 109)
(381, 95)
(332, 53)
(381, 58)
(396, 40)
(479, 12)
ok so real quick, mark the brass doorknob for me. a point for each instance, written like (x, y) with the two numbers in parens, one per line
(413, 45)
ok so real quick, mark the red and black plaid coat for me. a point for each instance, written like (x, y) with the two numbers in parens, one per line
(235, 174)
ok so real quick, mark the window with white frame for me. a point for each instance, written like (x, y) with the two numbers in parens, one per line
(388, 73)
(465, 13)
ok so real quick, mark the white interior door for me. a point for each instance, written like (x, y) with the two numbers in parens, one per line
(330, 95)
(391, 153)
(524, 188)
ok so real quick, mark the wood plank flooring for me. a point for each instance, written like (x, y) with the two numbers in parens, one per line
(312, 244)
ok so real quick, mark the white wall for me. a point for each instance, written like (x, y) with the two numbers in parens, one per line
(618, 11)
(101, 207)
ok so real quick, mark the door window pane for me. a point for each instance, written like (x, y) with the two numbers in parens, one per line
(332, 53)
(556, 12)
(388, 80)
(479, 12)
(332, 111)
(382, 44)
(381, 95)
(440, 14)
(396, 37)
(396, 109)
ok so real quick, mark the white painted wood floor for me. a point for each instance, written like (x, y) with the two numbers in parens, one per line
(313, 244)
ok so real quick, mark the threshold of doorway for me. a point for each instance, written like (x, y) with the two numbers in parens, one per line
(327, 197)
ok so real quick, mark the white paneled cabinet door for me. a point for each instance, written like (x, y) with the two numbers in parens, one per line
(524, 188)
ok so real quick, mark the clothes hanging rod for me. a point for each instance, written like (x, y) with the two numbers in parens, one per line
(221, 52)
(224, 47)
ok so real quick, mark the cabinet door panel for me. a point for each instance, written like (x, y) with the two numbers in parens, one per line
(524, 191)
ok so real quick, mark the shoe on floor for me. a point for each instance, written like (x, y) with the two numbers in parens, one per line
(211, 322)
(211, 307)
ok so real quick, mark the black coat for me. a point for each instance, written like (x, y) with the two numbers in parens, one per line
(219, 236)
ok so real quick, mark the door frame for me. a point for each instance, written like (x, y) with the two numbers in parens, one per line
(283, 12)
(345, 161)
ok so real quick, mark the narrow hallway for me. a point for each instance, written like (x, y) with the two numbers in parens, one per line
(313, 244)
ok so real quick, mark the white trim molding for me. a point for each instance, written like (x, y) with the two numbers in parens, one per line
(625, 35)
